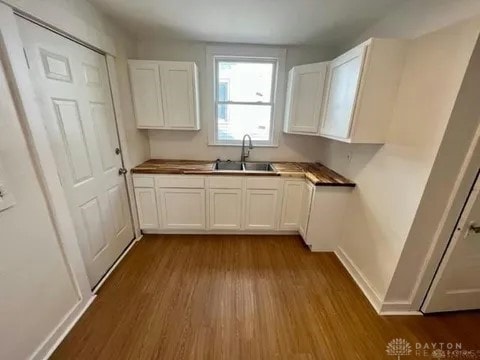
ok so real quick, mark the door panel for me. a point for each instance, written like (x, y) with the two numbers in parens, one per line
(177, 87)
(261, 209)
(225, 208)
(147, 208)
(147, 94)
(457, 283)
(292, 205)
(182, 208)
(72, 89)
(344, 78)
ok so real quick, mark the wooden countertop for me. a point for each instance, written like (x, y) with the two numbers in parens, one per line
(317, 173)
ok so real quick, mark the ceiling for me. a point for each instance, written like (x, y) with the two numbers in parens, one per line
(286, 22)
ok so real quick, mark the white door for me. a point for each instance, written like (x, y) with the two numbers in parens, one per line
(71, 84)
(456, 285)
(343, 83)
(292, 204)
(261, 209)
(178, 81)
(305, 97)
(147, 208)
(146, 93)
(225, 209)
(182, 208)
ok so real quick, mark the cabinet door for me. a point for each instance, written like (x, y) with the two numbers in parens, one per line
(146, 93)
(307, 195)
(147, 208)
(182, 208)
(225, 209)
(292, 204)
(261, 209)
(343, 84)
(305, 97)
(179, 94)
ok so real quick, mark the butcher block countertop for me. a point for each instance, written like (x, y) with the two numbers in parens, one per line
(317, 173)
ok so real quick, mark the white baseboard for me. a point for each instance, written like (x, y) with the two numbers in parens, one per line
(113, 267)
(361, 281)
(218, 232)
(398, 308)
(46, 349)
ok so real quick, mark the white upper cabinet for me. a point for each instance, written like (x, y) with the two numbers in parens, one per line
(165, 94)
(305, 98)
(361, 91)
(147, 94)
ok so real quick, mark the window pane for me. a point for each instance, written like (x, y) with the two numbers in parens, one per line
(245, 82)
(234, 121)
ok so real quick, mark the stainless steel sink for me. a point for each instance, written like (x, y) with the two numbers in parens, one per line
(245, 166)
(228, 166)
(254, 166)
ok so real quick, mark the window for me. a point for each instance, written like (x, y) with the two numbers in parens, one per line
(244, 99)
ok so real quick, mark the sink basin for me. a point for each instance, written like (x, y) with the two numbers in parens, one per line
(254, 166)
(246, 166)
(228, 165)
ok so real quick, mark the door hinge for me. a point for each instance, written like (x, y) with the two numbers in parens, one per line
(26, 58)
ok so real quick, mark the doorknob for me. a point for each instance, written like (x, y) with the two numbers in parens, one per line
(122, 171)
(118, 151)
(474, 228)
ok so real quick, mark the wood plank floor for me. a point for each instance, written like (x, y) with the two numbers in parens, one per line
(243, 297)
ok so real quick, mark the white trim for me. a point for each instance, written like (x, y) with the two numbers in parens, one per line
(46, 349)
(115, 264)
(398, 308)
(360, 279)
(122, 138)
(252, 52)
(64, 22)
(238, 232)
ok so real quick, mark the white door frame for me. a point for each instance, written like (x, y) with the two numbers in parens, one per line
(17, 73)
(459, 196)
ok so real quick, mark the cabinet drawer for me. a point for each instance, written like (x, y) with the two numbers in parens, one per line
(263, 183)
(190, 181)
(225, 182)
(143, 181)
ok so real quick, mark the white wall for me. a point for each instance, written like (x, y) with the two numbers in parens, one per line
(193, 144)
(392, 178)
(37, 290)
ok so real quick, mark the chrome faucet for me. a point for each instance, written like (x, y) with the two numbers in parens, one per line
(246, 154)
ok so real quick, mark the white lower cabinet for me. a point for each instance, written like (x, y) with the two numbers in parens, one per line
(146, 208)
(182, 208)
(292, 204)
(216, 204)
(225, 209)
(261, 209)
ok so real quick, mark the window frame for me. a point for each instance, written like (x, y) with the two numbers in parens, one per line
(255, 54)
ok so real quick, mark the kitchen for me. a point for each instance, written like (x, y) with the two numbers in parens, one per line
(203, 178)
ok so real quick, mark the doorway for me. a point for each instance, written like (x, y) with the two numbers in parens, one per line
(72, 89)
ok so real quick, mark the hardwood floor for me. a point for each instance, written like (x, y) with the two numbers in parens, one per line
(243, 297)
